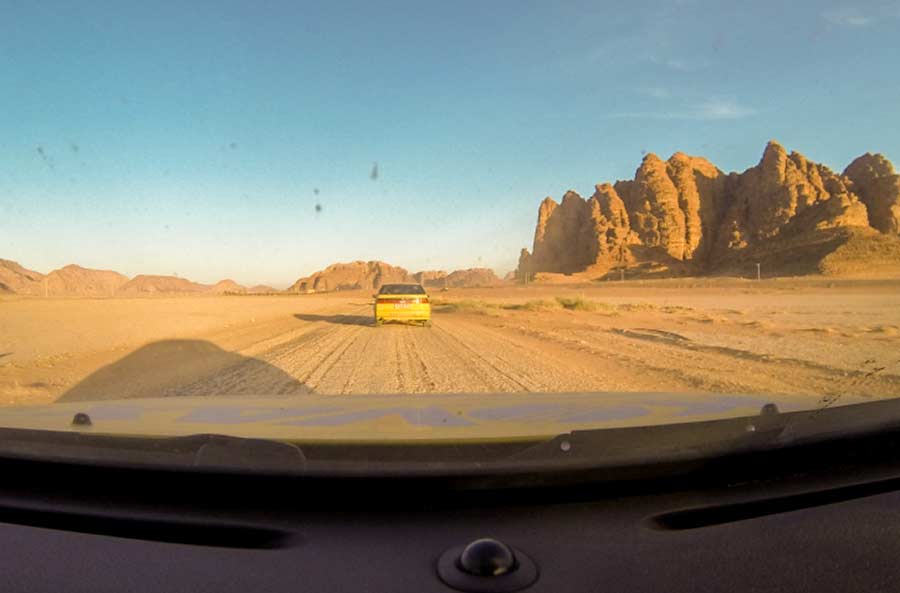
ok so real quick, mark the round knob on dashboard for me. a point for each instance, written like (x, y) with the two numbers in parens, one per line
(486, 565)
(487, 557)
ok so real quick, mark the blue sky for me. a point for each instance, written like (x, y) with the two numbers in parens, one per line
(156, 137)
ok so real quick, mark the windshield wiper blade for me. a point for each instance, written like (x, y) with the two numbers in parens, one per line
(203, 452)
(697, 441)
(619, 446)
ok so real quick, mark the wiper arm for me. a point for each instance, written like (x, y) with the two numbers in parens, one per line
(699, 441)
(204, 452)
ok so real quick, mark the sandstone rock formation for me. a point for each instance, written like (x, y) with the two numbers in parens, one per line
(74, 280)
(431, 278)
(579, 234)
(656, 216)
(873, 179)
(144, 284)
(262, 289)
(371, 275)
(70, 280)
(14, 279)
(227, 286)
(473, 277)
(349, 276)
(685, 216)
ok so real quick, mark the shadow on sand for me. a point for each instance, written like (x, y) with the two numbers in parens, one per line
(183, 367)
(365, 320)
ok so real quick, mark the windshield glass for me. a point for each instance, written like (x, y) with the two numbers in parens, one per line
(401, 289)
(618, 214)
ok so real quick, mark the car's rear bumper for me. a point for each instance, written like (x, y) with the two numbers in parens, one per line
(393, 314)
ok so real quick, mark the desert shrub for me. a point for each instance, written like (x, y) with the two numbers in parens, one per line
(631, 307)
(536, 305)
(580, 303)
(465, 306)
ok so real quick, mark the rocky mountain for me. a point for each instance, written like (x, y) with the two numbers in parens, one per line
(371, 275)
(74, 280)
(14, 279)
(685, 216)
(473, 277)
(262, 289)
(431, 278)
(227, 286)
(144, 284)
(876, 183)
(349, 276)
(70, 280)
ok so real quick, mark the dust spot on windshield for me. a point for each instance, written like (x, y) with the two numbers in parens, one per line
(719, 42)
(374, 174)
(318, 207)
(44, 157)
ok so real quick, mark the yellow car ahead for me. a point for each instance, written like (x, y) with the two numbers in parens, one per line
(402, 302)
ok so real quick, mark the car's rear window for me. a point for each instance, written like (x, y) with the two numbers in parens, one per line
(402, 289)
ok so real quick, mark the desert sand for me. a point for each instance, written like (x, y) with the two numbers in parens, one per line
(815, 337)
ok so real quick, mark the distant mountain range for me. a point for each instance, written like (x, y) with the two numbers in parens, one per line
(370, 275)
(73, 280)
(685, 217)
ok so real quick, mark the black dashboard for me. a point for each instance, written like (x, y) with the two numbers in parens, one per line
(822, 517)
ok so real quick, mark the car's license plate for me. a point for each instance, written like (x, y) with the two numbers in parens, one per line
(402, 306)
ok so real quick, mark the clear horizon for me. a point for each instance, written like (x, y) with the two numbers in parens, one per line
(231, 140)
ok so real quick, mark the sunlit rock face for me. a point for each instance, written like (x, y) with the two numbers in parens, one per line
(350, 276)
(684, 215)
(873, 179)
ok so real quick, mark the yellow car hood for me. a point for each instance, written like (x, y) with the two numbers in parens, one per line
(396, 418)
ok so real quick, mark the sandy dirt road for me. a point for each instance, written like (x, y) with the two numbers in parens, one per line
(817, 341)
